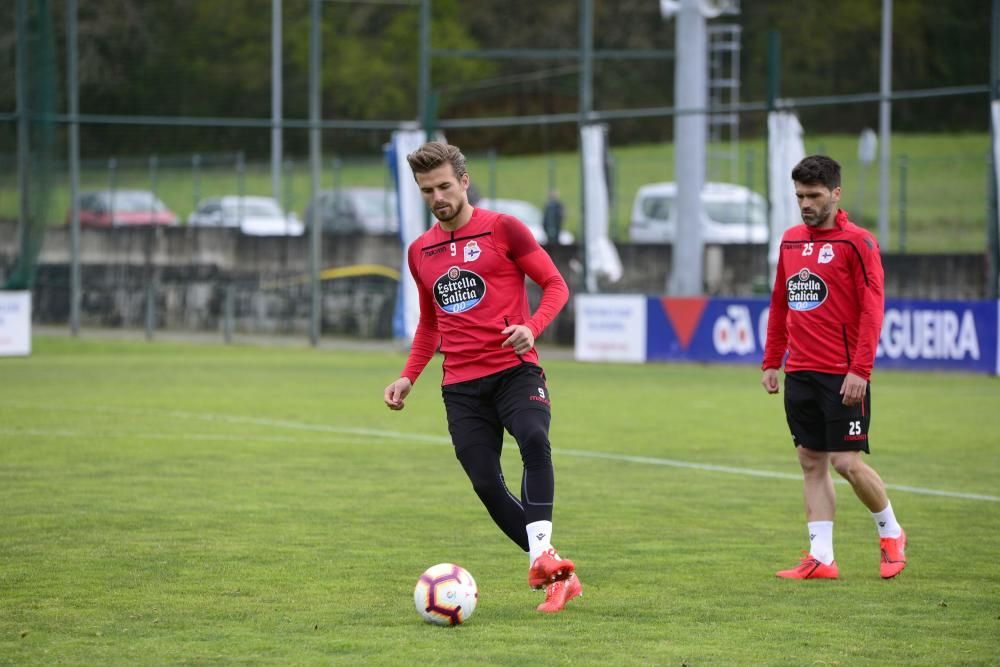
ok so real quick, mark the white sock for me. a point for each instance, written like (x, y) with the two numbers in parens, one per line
(886, 523)
(539, 539)
(821, 541)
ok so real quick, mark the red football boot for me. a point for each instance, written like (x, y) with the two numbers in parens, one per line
(893, 555)
(559, 593)
(548, 569)
(810, 568)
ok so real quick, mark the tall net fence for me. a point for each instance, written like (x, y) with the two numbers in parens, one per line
(204, 265)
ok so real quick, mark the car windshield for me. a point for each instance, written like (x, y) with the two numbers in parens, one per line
(660, 207)
(657, 208)
(137, 201)
(255, 209)
(374, 204)
(736, 213)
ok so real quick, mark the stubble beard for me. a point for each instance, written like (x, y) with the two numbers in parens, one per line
(442, 216)
(817, 219)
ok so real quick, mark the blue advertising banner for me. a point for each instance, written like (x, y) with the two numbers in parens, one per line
(917, 335)
(702, 329)
(939, 335)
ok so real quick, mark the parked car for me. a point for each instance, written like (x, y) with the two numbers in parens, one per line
(356, 210)
(732, 214)
(527, 213)
(256, 216)
(121, 208)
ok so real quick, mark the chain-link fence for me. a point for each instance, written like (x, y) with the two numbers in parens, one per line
(214, 273)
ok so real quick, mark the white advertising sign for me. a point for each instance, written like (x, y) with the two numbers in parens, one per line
(15, 324)
(610, 327)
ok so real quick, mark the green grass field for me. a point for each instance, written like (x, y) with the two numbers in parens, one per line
(188, 503)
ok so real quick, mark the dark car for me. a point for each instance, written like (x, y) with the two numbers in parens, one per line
(357, 210)
(121, 208)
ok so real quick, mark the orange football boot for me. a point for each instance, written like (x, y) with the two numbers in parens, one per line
(810, 568)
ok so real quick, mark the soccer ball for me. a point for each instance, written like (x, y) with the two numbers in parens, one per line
(446, 594)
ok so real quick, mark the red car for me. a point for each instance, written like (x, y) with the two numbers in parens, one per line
(122, 208)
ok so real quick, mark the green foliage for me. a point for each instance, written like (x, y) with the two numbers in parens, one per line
(198, 58)
(177, 503)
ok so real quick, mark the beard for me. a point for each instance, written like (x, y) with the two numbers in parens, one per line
(449, 212)
(816, 219)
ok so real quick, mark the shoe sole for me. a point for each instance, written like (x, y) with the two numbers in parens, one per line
(559, 575)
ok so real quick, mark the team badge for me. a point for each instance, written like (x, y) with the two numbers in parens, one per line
(459, 290)
(826, 253)
(472, 251)
(806, 290)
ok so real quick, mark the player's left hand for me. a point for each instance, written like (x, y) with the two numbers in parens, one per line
(852, 391)
(519, 337)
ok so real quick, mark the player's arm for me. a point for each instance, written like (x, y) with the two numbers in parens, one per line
(869, 285)
(537, 265)
(425, 343)
(777, 330)
(869, 282)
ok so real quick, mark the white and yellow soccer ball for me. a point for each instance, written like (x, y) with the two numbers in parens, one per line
(446, 594)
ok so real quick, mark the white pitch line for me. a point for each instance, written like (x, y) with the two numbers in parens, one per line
(441, 440)
(762, 473)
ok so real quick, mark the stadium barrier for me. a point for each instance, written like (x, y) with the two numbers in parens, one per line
(15, 323)
(916, 334)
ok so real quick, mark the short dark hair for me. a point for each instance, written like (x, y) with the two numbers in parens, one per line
(817, 169)
(433, 154)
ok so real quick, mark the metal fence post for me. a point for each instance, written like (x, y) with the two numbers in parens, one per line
(903, 166)
(491, 156)
(154, 167)
(612, 165)
(336, 165)
(241, 168)
(195, 180)
(112, 186)
(228, 313)
(289, 191)
(150, 302)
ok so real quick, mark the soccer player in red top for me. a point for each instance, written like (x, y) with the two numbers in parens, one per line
(826, 314)
(470, 268)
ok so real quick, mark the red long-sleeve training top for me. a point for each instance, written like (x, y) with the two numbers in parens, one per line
(471, 287)
(828, 303)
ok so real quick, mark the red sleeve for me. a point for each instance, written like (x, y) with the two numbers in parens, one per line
(869, 282)
(777, 325)
(538, 266)
(426, 338)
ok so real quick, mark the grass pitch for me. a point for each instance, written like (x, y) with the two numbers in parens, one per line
(183, 503)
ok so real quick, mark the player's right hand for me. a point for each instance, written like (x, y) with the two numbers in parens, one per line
(396, 392)
(770, 380)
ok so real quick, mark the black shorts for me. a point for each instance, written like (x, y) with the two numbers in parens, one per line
(479, 410)
(817, 417)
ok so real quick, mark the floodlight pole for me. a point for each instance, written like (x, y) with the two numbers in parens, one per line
(884, 124)
(315, 164)
(690, 132)
(586, 107)
(23, 135)
(993, 221)
(423, 101)
(73, 97)
(277, 111)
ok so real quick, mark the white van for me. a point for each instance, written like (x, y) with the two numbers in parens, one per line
(732, 214)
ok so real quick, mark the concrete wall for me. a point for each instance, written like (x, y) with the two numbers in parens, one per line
(197, 275)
